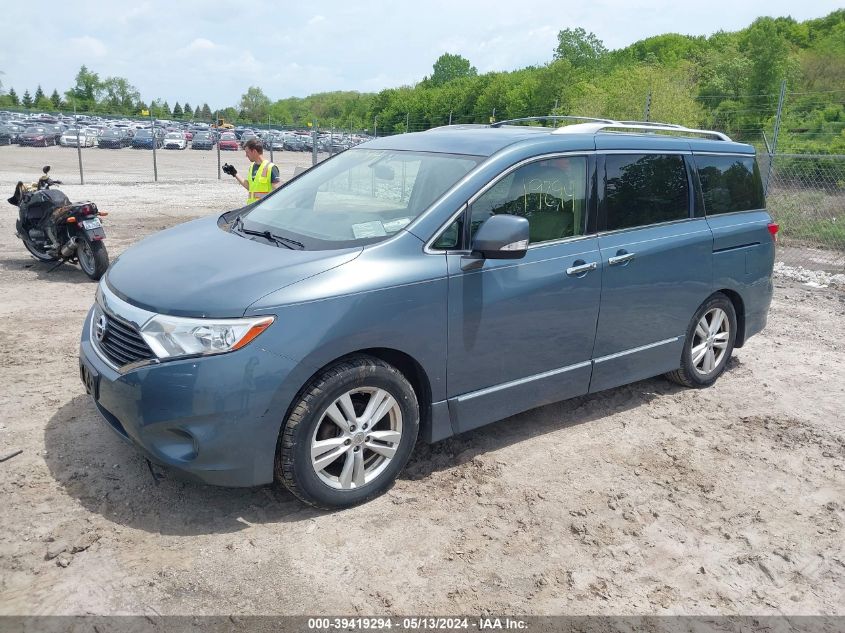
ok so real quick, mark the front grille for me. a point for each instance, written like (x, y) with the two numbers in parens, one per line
(122, 344)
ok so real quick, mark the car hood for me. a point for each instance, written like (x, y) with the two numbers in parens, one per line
(198, 269)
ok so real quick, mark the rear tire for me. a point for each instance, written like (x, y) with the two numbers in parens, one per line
(349, 435)
(709, 344)
(93, 258)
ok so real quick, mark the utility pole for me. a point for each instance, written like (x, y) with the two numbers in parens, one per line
(217, 127)
(375, 126)
(647, 111)
(407, 117)
(775, 135)
(450, 117)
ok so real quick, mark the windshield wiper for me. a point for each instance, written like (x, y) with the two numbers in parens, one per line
(287, 242)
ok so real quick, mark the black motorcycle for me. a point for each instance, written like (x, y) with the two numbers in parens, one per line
(55, 230)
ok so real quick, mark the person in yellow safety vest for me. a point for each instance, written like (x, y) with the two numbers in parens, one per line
(262, 176)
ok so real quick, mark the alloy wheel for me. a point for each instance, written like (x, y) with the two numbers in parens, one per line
(710, 341)
(356, 438)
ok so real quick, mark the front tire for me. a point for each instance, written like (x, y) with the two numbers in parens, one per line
(709, 344)
(41, 256)
(93, 258)
(349, 435)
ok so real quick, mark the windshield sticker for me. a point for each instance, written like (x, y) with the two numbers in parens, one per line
(395, 225)
(368, 229)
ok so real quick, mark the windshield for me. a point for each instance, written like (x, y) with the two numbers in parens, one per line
(360, 197)
(143, 133)
(174, 135)
(35, 130)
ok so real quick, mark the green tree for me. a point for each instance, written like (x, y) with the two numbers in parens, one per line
(27, 99)
(769, 52)
(580, 48)
(43, 103)
(189, 112)
(39, 94)
(13, 97)
(205, 113)
(119, 96)
(255, 104)
(177, 111)
(86, 90)
(56, 100)
(449, 67)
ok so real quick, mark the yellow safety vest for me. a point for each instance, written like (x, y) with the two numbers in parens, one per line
(260, 184)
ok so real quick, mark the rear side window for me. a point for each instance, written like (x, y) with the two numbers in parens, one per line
(730, 183)
(643, 189)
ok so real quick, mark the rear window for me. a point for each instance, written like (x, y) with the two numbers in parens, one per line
(643, 189)
(730, 183)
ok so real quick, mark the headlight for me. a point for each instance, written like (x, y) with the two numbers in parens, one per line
(170, 336)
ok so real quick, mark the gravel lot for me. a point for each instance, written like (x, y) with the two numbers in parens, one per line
(644, 499)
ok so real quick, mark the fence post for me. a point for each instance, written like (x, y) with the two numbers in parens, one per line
(775, 136)
(217, 134)
(78, 149)
(647, 111)
(271, 136)
(153, 132)
(314, 144)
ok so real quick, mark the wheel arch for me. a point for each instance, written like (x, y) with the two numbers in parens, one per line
(406, 364)
(739, 309)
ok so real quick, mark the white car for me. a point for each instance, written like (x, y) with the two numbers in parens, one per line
(175, 140)
(87, 137)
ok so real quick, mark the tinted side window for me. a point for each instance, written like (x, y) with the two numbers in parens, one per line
(551, 193)
(730, 183)
(644, 189)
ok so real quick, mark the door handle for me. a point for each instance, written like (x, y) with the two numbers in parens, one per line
(581, 269)
(621, 258)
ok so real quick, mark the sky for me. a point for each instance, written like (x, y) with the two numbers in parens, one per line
(213, 51)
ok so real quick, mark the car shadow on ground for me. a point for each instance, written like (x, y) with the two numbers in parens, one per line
(112, 479)
(46, 271)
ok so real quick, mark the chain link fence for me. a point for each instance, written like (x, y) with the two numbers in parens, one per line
(806, 197)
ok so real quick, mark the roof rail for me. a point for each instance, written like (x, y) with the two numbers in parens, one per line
(551, 117)
(649, 126)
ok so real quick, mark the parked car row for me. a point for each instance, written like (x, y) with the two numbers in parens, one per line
(42, 130)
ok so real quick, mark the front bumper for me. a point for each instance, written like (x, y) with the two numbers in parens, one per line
(215, 419)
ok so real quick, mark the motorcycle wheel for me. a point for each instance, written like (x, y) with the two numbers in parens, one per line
(93, 258)
(41, 256)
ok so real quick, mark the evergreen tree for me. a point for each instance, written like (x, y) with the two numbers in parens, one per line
(56, 100)
(166, 109)
(39, 94)
(197, 113)
(13, 97)
(188, 110)
(27, 99)
(206, 111)
(177, 111)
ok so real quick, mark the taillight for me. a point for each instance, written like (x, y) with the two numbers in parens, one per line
(86, 210)
(773, 230)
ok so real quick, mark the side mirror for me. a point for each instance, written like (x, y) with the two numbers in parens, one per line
(502, 236)
(46, 169)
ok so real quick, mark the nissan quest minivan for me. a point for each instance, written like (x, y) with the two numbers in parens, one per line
(422, 285)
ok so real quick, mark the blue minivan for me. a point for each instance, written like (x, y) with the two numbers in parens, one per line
(422, 285)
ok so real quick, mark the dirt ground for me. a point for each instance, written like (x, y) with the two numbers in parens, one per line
(646, 499)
